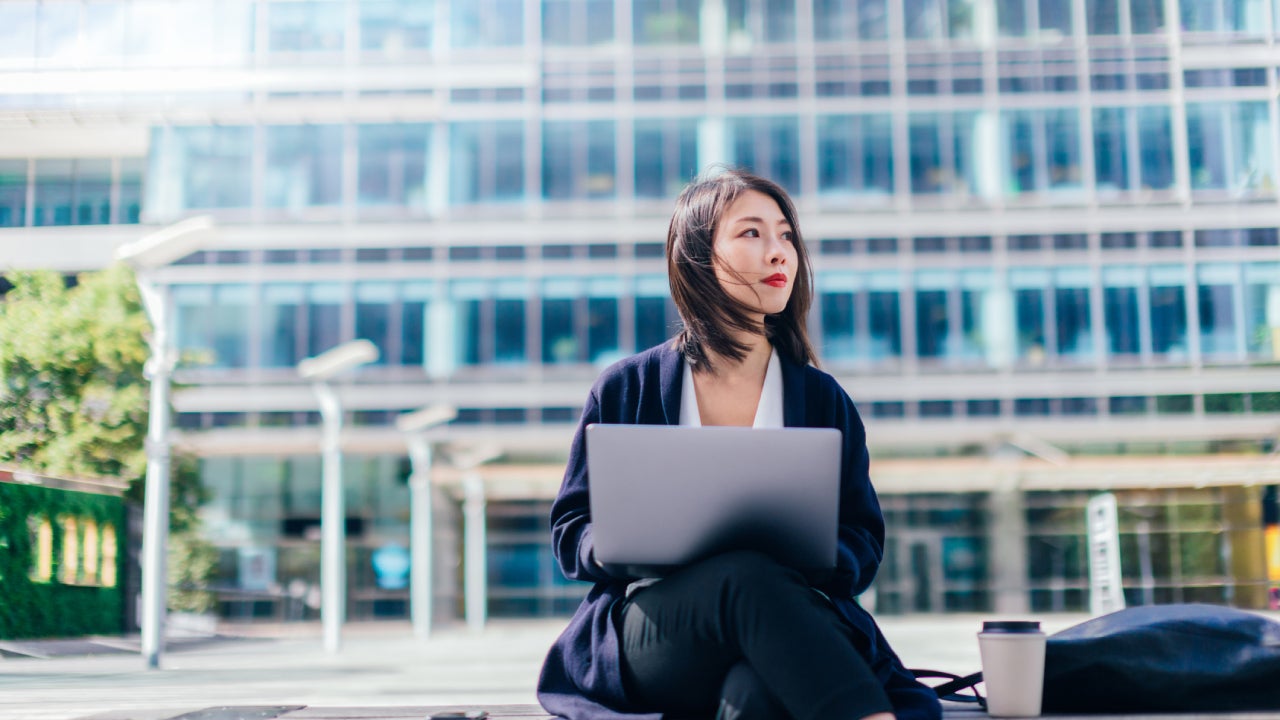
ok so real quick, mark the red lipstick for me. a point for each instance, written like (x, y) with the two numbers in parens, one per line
(776, 280)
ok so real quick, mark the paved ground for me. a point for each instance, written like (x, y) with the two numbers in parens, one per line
(380, 666)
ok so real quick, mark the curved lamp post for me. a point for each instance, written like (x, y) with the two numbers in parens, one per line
(414, 425)
(333, 578)
(146, 256)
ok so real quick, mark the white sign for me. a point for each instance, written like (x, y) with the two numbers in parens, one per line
(1106, 594)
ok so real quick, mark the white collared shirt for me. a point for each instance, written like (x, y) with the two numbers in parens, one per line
(768, 410)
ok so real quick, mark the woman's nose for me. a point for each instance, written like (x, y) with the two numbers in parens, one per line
(777, 252)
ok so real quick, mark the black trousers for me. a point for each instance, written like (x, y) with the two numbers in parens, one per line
(740, 637)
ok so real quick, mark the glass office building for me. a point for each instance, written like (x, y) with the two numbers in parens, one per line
(1044, 235)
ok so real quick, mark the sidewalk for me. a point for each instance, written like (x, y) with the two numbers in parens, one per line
(381, 672)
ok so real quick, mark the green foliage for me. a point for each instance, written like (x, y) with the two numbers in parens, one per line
(73, 400)
(39, 609)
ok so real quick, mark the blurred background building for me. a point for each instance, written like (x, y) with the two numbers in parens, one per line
(1044, 231)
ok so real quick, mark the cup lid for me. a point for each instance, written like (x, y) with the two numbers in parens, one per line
(1011, 626)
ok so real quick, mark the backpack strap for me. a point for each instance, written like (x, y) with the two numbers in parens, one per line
(955, 685)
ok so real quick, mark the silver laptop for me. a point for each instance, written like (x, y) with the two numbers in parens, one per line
(663, 496)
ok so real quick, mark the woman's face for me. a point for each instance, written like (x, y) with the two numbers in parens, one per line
(755, 253)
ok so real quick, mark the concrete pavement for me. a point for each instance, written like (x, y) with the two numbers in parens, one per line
(380, 666)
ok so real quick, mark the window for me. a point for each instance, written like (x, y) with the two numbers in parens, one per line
(487, 162)
(413, 323)
(1120, 310)
(212, 324)
(487, 23)
(13, 191)
(309, 26)
(392, 165)
(754, 22)
(768, 146)
(390, 27)
(1146, 16)
(851, 19)
(666, 22)
(72, 192)
(838, 328)
(1239, 16)
(281, 325)
(856, 155)
(666, 156)
(937, 19)
(1230, 147)
(1073, 319)
(1168, 311)
(1262, 309)
(374, 304)
(1042, 150)
(578, 160)
(324, 317)
(1013, 18)
(199, 168)
(1102, 17)
(560, 342)
(304, 166)
(577, 22)
(1216, 299)
(602, 320)
(654, 311)
(1030, 287)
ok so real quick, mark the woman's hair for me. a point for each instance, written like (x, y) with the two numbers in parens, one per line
(711, 316)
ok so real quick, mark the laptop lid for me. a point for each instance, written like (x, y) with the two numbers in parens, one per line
(663, 496)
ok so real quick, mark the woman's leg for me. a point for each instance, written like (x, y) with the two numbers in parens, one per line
(681, 637)
(744, 696)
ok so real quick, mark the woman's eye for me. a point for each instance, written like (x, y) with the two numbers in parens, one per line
(789, 237)
(750, 232)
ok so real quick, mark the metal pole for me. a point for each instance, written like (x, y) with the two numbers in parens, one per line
(333, 580)
(155, 529)
(420, 538)
(475, 588)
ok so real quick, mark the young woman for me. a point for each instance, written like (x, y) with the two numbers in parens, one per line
(736, 636)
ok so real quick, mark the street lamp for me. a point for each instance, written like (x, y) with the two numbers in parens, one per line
(414, 425)
(475, 560)
(333, 581)
(146, 256)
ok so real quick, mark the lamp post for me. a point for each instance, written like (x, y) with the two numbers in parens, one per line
(146, 256)
(333, 578)
(475, 588)
(414, 425)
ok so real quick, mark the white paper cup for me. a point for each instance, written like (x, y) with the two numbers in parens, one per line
(1012, 667)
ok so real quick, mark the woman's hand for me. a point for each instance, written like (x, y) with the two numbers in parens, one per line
(880, 716)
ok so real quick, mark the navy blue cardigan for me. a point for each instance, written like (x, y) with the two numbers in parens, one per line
(581, 677)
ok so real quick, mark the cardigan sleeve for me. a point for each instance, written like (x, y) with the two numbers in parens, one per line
(861, 544)
(571, 539)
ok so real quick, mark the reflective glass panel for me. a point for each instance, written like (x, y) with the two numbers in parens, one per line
(393, 164)
(304, 166)
(855, 155)
(13, 193)
(666, 22)
(1110, 149)
(281, 322)
(768, 146)
(390, 27)
(486, 161)
(1155, 142)
(307, 26)
(487, 23)
(578, 159)
(851, 19)
(666, 156)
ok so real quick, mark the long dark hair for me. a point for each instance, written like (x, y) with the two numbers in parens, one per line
(711, 316)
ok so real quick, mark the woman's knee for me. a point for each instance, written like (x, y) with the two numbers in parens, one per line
(744, 567)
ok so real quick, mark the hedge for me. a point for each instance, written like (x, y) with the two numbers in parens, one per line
(32, 609)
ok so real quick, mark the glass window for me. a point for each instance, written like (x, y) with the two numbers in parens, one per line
(91, 194)
(1055, 17)
(884, 319)
(373, 317)
(413, 323)
(13, 192)
(856, 155)
(1120, 309)
(304, 166)
(754, 22)
(932, 323)
(1062, 135)
(129, 209)
(324, 317)
(509, 330)
(54, 192)
(602, 329)
(1029, 317)
(1243, 16)
(666, 22)
(486, 161)
(578, 159)
(18, 30)
(1229, 146)
(212, 324)
(924, 19)
(654, 311)
(1168, 312)
(1146, 16)
(1110, 149)
(559, 342)
(1155, 142)
(1102, 17)
(1020, 153)
(851, 19)
(487, 23)
(210, 166)
(577, 22)
(58, 33)
(306, 26)
(666, 156)
(838, 325)
(1262, 310)
(1216, 300)
(1073, 319)
(390, 27)
(768, 146)
(393, 164)
(1011, 17)
(281, 323)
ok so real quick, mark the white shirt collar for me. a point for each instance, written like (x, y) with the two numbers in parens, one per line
(768, 411)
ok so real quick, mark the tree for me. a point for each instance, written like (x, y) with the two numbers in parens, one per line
(73, 400)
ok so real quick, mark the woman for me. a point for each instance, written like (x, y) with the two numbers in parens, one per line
(736, 636)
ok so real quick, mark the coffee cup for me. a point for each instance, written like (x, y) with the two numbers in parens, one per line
(1012, 667)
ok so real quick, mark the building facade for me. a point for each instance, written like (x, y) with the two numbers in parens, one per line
(1044, 236)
